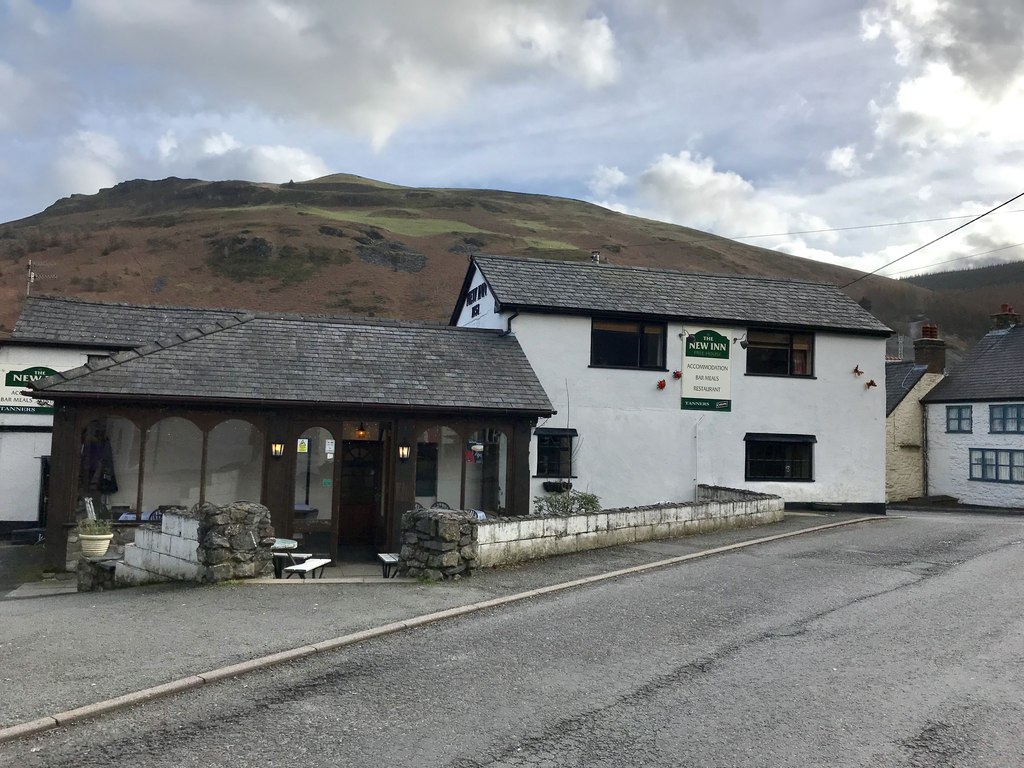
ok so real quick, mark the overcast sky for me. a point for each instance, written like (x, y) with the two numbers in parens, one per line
(741, 118)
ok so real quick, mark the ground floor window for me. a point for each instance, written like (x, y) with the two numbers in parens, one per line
(786, 457)
(554, 452)
(108, 472)
(462, 469)
(997, 466)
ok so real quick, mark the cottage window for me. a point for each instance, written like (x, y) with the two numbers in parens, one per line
(780, 353)
(958, 418)
(554, 452)
(1006, 418)
(997, 466)
(627, 344)
(109, 467)
(779, 457)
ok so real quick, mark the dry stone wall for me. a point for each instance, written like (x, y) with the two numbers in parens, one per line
(438, 544)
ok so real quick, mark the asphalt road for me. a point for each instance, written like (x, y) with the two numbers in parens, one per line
(897, 643)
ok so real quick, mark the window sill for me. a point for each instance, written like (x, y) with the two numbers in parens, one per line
(554, 477)
(776, 480)
(959, 432)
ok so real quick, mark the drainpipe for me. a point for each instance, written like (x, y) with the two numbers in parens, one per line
(696, 453)
(508, 329)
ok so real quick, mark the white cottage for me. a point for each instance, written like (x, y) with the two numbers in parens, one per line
(975, 421)
(663, 380)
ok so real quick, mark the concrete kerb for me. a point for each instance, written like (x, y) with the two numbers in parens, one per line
(264, 662)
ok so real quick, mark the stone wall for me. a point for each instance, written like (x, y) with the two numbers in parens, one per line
(234, 540)
(510, 540)
(904, 444)
(207, 543)
(438, 543)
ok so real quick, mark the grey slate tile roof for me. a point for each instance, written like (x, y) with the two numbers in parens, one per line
(332, 362)
(74, 322)
(900, 378)
(992, 370)
(583, 287)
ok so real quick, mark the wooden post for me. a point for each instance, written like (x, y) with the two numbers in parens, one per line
(63, 492)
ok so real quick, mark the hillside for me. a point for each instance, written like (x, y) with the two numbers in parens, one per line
(351, 246)
(988, 287)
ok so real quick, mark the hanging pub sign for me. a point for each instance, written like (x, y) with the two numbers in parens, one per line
(707, 372)
(15, 382)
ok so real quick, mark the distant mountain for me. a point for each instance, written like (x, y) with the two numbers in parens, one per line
(988, 287)
(352, 246)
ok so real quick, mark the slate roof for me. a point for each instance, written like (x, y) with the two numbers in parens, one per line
(992, 370)
(323, 361)
(66, 321)
(587, 288)
(900, 377)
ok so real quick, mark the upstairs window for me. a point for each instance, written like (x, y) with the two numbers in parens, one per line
(554, 452)
(780, 353)
(627, 344)
(958, 418)
(1006, 418)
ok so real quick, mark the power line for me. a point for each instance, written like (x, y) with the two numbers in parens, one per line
(931, 242)
(717, 238)
(863, 226)
(958, 258)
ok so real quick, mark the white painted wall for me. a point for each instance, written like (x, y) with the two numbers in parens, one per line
(20, 452)
(949, 459)
(486, 317)
(636, 446)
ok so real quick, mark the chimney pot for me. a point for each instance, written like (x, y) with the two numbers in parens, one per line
(595, 257)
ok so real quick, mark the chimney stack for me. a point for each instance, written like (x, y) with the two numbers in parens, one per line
(595, 257)
(1004, 318)
(930, 350)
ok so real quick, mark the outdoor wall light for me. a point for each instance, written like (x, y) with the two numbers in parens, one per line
(741, 340)
(361, 431)
(277, 450)
(404, 452)
(687, 335)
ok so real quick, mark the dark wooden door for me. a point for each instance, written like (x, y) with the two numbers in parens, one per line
(361, 473)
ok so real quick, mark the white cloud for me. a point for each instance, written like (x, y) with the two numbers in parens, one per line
(369, 66)
(88, 161)
(606, 180)
(843, 160)
(220, 155)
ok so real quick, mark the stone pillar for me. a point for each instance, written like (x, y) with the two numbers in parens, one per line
(438, 544)
(234, 540)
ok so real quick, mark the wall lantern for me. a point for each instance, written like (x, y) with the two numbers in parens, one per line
(404, 451)
(741, 340)
(277, 450)
(361, 431)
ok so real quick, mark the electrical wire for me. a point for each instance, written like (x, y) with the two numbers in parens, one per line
(958, 258)
(931, 242)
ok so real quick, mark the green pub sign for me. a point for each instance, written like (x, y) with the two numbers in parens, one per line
(707, 372)
(12, 401)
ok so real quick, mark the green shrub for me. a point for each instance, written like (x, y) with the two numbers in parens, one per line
(567, 503)
(94, 527)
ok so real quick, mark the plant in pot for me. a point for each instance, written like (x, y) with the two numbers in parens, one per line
(95, 536)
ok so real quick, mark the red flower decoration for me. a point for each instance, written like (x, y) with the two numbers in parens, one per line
(677, 374)
(661, 384)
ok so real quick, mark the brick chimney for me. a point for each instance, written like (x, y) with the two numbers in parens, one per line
(1005, 318)
(930, 350)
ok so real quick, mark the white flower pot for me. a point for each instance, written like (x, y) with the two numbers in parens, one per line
(95, 544)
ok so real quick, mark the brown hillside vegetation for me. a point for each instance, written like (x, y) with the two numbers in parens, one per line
(988, 287)
(351, 246)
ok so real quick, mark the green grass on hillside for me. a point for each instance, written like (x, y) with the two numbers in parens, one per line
(399, 225)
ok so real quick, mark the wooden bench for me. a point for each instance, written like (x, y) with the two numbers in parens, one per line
(313, 565)
(389, 563)
(287, 557)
